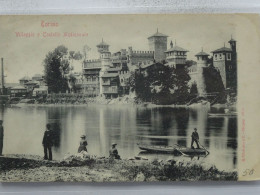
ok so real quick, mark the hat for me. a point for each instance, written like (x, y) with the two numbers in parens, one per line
(114, 144)
(195, 128)
(83, 136)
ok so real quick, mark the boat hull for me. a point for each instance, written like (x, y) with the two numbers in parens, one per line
(173, 150)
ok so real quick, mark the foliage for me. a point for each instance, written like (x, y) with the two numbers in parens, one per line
(214, 83)
(182, 79)
(193, 90)
(140, 85)
(161, 84)
(57, 68)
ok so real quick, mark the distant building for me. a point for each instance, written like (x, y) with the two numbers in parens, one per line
(109, 74)
(202, 60)
(18, 91)
(176, 56)
(225, 60)
(24, 80)
(158, 44)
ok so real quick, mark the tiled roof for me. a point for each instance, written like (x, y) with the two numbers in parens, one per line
(143, 66)
(222, 49)
(102, 43)
(176, 48)
(18, 87)
(107, 75)
(157, 34)
(202, 53)
(232, 40)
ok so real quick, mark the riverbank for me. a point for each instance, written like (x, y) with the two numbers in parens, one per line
(84, 167)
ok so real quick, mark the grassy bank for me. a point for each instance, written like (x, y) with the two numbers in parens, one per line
(100, 169)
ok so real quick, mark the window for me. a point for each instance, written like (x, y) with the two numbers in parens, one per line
(220, 56)
(216, 56)
(228, 56)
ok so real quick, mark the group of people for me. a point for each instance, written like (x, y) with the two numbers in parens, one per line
(47, 143)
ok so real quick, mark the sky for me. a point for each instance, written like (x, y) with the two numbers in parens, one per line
(23, 56)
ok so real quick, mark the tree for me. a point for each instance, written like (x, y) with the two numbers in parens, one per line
(193, 90)
(56, 65)
(214, 83)
(140, 84)
(161, 79)
(71, 79)
(182, 79)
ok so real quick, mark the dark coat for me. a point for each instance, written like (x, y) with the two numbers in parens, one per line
(47, 139)
(195, 135)
(1, 132)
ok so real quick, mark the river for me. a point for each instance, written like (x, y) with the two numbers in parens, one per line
(125, 125)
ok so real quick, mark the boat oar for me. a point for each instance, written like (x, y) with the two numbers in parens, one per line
(203, 147)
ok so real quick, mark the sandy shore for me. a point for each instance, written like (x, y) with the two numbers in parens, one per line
(21, 168)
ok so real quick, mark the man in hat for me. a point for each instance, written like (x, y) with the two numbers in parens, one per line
(113, 153)
(83, 144)
(195, 138)
(1, 137)
(47, 142)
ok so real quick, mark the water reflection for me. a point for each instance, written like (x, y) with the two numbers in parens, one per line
(127, 126)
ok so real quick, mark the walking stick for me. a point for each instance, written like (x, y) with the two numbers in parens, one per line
(203, 147)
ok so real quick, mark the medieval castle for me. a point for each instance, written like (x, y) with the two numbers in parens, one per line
(110, 73)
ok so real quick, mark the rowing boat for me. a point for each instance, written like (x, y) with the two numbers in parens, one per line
(222, 114)
(176, 149)
(157, 149)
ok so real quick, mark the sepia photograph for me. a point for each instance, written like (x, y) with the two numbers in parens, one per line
(120, 98)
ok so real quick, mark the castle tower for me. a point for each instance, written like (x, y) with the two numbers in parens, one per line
(158, 44)
(102, 47)
(202, 59)
(176, 56)
(232, 71)
(225, 62)
(233, 44)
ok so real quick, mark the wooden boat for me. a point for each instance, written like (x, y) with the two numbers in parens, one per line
(191, 151)
(157, 149)
(231, 114)
(176, 149)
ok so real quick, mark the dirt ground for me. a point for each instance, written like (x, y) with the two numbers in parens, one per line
(31, 168)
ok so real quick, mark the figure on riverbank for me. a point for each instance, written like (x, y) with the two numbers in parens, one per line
(195, 138)
(113, 153)
(83, 144)
(47, 143)
(1, 137)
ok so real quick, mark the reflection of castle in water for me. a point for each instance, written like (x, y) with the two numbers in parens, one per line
(170, 126)
(128, 126)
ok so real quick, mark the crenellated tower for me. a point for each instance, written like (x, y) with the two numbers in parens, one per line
(158, 44)
(202, 59)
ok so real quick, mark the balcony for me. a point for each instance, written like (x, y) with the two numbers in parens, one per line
(110, 90)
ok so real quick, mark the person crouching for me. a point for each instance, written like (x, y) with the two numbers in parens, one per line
(113, 153)
(83, 144)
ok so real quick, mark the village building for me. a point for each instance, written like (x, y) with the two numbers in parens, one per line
(18, 91)
(225, 60)
(109, 75)
(24, 80)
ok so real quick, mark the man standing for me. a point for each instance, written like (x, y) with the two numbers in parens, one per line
(195, 138)
(1, 137)
(113, 153)
(47, 142)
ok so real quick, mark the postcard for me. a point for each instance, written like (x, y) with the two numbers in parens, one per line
(129, 98)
